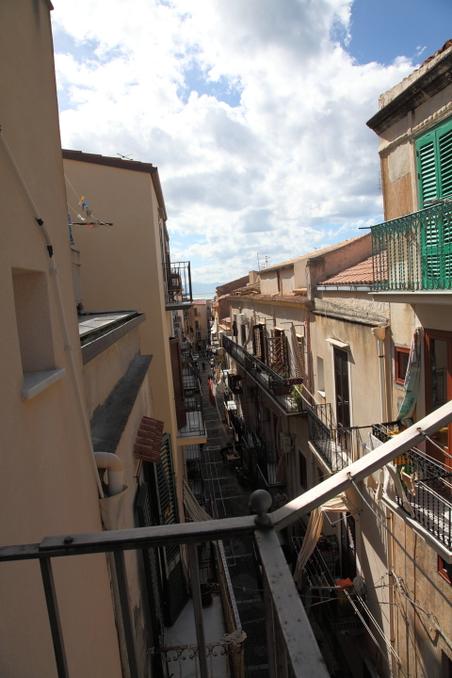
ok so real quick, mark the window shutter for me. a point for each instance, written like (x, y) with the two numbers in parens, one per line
(445, 165)
(427, 169)
(434, 166)
(445, 159)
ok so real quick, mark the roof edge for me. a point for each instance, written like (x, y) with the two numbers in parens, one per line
(120, 163)
(430, 82)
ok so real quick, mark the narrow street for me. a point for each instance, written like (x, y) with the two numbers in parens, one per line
(228, 498)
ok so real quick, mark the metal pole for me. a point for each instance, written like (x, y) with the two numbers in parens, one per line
(121, 579)
(54, 617)
(197, 606)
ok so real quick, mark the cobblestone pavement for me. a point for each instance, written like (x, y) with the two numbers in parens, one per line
(228, 498)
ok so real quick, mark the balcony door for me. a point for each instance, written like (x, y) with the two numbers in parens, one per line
(342, 387)
(438, 386)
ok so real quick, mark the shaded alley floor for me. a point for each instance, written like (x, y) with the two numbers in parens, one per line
(228, 498)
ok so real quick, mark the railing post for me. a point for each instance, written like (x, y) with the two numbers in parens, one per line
(303, 653)
(54, 617)
(121, 578)
(197, 607)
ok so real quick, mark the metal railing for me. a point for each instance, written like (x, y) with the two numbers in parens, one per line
(427, 486)
(279, 388)
(337, 446)
(290, 639)
(178, 285)
(194, 417)
(414, 252)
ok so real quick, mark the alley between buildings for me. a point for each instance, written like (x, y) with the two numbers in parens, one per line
(227, 498)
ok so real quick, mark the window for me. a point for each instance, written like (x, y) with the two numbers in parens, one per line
(196, 311)
(303, 470)
(434, 163)
(401, 357)
(445, 570)
(300, 369)
(434, 167)
(320, 375)
(243, 334)
(34, 331)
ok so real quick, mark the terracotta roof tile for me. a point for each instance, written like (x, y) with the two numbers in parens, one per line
(359, 274)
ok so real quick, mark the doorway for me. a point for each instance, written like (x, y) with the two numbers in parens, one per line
(342, 387)
(438, 385)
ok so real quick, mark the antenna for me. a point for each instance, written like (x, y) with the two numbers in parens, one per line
(266, 260)
(124, 157)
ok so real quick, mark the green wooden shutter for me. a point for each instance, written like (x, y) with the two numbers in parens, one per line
(434, 167)
(444, 140)
(427, 169)
(444, 135)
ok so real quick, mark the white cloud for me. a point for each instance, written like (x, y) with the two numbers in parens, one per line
(290, 166)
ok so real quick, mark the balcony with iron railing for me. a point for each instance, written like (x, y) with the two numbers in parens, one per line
(427, 488)
(336, 445)
(413, 254)
(292, 647)
(194, 428)
(178, 286)
(279, 389)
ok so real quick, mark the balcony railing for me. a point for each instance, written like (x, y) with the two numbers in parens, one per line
(178, 281)
(337, 446)
(277, 387)
(414, 252)
(290, 639)
(194, 418)
(428, 489)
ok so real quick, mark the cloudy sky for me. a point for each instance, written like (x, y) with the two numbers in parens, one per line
(254, 112)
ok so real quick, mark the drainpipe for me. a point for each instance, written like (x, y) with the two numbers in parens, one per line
(113, 464)
(380, 334)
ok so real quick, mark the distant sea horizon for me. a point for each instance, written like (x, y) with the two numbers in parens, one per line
(208, 295)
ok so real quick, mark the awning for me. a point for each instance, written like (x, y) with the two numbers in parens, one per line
(149, 440)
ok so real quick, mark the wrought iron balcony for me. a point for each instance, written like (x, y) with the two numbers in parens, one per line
(278, 388)
(337, 446)
(178, 285)
(194, 421)
(414, 252)
(292, 647)
(428, 489)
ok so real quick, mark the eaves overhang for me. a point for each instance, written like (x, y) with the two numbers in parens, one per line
(97, 340)
(436, 297)
(420, 90)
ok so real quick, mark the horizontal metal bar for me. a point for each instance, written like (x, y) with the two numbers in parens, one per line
(19, 552)
(186, 533)
(360, 469)
(303, 652)
(144, 537)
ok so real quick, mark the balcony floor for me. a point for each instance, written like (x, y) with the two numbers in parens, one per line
(183, 632)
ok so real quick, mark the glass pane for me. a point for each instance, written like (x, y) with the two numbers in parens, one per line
(438, 367)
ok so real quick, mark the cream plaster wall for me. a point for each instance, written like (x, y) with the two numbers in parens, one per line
(121, 269)
(47, 479)
(101, 374)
